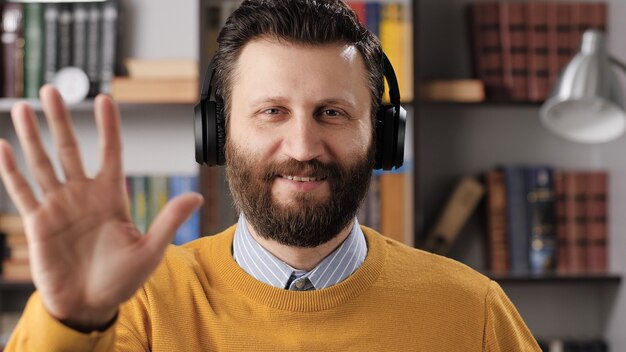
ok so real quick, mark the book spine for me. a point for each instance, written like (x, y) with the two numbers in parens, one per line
(157, 196)
(110, 17)
(517, 221)
(598, 16)
(65, 36)
(392, 205)
(486, 46)
(372, 11)
(190, 229)
(497, 222)
(392, 40)
(140, 204)
(359, 9)
(93, 47)
(80, 36)
(51, 38)
(560, 198)
(575, 246)
(564, 33)
(537, 56)
(13, 50)
(579, 22)
(33, 49)
(541, 218)
(596, 214)
(455, 214)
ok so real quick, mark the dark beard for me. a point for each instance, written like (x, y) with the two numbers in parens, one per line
(304, 221)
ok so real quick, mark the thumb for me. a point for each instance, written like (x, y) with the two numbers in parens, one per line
(170, 218)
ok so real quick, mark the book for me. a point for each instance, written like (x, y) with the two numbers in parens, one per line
(484, 19)
(514, 47)
(13, 269)
(139, 200)
(190, 229)
(94, 40)
(33, 49)
(12, 50)
(360, 9)
(596, 213)
(64, 47)
(560, 220)
(110, 21)
(452, 90)
(540, 224)
(391, 188)
(158, 195)
(537, 55)
(80, 35)
(575, 248)
(372, 14)
(130, 90)
(51, 38)
(517, 233)
(175, 69)
(457, 210)
(497, 243)
(392, 39)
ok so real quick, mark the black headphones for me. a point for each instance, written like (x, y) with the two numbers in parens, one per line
(210, 129)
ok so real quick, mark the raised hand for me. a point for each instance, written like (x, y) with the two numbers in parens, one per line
(86, 255)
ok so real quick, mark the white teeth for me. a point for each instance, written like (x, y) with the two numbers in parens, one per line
(300, 179)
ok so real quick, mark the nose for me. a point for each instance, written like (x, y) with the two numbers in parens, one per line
(303, 138)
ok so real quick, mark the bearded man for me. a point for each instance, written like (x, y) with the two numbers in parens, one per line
(301, 81)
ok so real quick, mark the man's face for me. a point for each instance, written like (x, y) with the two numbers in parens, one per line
(299, 147)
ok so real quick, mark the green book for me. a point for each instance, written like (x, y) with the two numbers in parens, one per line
(33, 49)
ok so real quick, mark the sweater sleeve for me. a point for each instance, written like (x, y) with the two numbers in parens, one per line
(504, 328)
(37, 330)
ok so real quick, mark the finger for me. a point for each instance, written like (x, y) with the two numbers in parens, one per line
(17, 187)
(169, 219)
(27, 129)
(60, 123)
(108, 122)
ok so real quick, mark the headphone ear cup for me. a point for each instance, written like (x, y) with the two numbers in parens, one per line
(220, 129)
(379, 135)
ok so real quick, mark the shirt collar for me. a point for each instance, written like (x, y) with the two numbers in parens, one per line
(264, 266)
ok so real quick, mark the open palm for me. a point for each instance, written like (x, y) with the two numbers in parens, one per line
(87, 256)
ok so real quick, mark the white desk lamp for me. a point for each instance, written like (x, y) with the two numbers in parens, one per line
(586, 104)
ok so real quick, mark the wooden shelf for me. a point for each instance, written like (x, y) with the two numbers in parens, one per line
(611, 278)
(85, 106)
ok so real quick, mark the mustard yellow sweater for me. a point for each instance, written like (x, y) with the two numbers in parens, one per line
(199, 299)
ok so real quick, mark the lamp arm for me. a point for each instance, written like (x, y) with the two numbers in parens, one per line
(617, 63)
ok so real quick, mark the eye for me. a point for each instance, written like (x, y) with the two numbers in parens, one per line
(271, 111)
(331, 113)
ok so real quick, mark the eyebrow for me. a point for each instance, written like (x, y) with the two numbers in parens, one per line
(281, 100)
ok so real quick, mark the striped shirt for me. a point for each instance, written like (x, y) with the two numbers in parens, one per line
(264, 266)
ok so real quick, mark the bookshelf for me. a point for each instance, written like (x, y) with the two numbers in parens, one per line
(460, 139)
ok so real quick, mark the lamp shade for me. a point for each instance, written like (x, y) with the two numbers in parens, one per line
(586, 104)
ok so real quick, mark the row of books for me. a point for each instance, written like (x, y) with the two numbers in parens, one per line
(393, 24)
(15, 264)
(148, 195)
(519, 48)
(542, 220)
(573, 345)
(40, 39)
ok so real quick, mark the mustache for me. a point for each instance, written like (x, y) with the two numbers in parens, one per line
(312, 168)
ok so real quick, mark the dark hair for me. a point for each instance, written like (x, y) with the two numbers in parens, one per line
(308, 22)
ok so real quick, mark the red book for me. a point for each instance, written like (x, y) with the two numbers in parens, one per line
(514, 48)
(359, 8)
(559, 32)
(579, 22)
(497, 222)
(12, 70)
(575, 222)
(537, 55)
(484, 21)
(596, 213)
(598, 16)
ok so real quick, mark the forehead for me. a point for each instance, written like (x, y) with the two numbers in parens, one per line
(279, 67)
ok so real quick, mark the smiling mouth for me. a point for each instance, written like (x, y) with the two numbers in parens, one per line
(303, 178)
